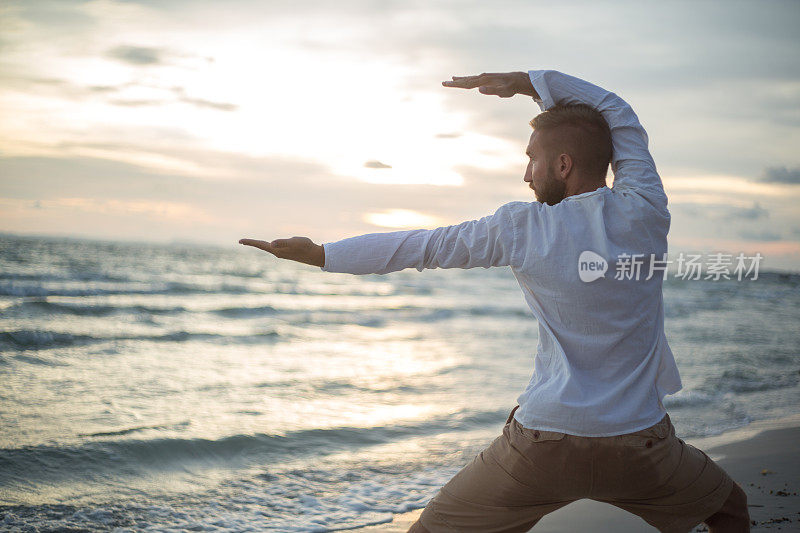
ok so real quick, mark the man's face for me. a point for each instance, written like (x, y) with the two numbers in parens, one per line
(541, 175)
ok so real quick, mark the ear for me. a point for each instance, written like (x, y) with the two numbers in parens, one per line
(564, 166)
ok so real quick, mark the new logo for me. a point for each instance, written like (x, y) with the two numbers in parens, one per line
(591, 266)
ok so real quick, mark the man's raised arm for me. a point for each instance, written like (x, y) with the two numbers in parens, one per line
(631, 162)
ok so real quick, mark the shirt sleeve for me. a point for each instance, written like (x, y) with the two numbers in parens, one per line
(489, 241)
(631, 162)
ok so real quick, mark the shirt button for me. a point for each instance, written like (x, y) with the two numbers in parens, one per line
(649, 444)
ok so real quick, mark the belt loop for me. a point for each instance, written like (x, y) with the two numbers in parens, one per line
(511, 416)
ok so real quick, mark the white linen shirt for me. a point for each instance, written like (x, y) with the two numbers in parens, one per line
(602, 365)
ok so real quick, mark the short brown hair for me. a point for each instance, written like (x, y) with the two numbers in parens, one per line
(584, 135)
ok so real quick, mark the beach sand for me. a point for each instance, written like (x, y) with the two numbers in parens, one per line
(764, 458)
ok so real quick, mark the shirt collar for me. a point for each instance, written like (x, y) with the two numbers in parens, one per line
(602, 189)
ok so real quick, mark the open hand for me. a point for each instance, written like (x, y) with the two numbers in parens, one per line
(504, 85)
(300, 249)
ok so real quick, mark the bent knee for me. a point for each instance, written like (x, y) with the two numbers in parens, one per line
(417, 527)
(738, 496)
(734, 508)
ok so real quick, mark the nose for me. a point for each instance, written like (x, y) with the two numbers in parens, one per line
(528, 176)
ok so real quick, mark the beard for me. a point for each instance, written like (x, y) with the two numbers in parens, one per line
(552, 191)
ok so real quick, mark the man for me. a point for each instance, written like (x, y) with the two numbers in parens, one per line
(590, 261)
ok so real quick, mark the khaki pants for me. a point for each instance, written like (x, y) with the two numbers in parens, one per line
(526, 473)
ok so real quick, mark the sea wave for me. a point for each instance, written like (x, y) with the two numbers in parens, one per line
(178, 288)
(44, 306)
(688, 398)
(71, 275)
(245, 312)
(99, 456)
(25, 339)
(372, 316)
(747, 379)
(67, 287)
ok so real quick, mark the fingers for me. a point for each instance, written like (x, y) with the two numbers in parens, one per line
(487, 83)
(470, 82)
(465, 82)
(276, 247)
(263, 245)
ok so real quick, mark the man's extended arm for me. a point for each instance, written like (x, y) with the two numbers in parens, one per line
(489, 241)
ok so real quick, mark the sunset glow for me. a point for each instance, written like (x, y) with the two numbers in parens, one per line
(401, 218)
(334, 121)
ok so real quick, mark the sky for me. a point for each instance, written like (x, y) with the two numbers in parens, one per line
(207, 122)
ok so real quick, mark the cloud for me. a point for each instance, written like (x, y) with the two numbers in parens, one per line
(147, 55)
(721, 211)
(178, 91)
(376, 164)
(136, 55)
(762, 235)
(219, 106)
(39, 177)
(136, 103)
(202, 103)
(103, 88)
(150, 208)
(749, 213)
(62, 88)
(781, 175)
(41, 84)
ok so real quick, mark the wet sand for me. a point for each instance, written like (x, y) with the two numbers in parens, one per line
(764, 458)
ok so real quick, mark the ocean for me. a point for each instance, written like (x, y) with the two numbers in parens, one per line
(199, 388)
